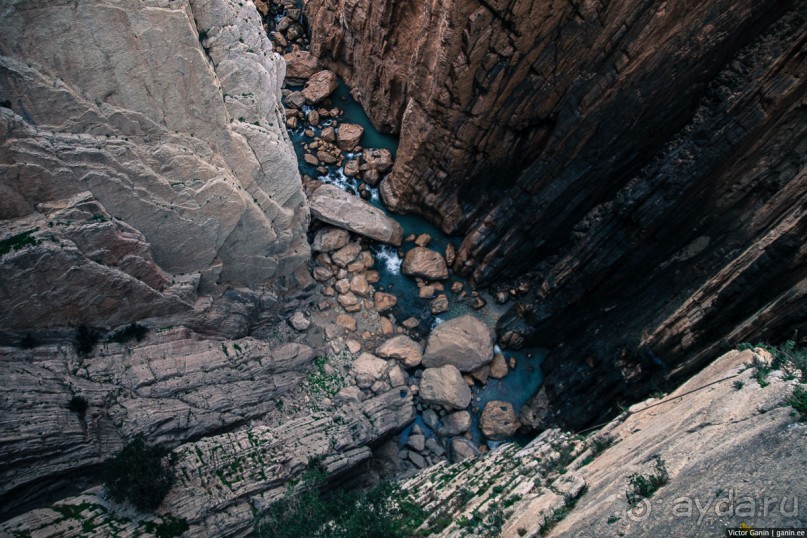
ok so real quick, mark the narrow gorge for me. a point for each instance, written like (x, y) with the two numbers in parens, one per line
(305, 268)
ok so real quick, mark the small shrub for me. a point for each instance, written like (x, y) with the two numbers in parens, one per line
(558, 515)
(612, 519)
(169, 527)
(139, 474)
(28, 342)
(85, 340)
(381, 511)
(17, 242)
(78, 404)
(135, 331)
(738, 385)
(643, 487)
(600, 443)
(798, 401)
(786, 356)
(761, 371)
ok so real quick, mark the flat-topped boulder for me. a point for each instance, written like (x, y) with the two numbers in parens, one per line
(445, 386)
(320, 86)
(498, 420)
(300, 66)
(334, 206)
(349, 135)
(455, 423)
(329, 239)
(464, 342)
(402, 348)
(426, 263)
(379, 160)
(368, 369)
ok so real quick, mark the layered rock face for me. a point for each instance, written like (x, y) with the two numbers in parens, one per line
(643, 161)
(724, 441)
(239, 412)
(169, 114)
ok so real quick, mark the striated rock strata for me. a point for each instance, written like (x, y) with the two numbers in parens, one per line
(642, 160)
(175, 388)
(726, 443)
(169, 114)
(226, 405)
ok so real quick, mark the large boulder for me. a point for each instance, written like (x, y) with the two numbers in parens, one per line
(445, 386)
(402, 348)
(378, 159)
(464, 342)
(329, 239)
(300, 66)
(368, 369)
(426, 263)
(346, 254)
(462, 449)
(320, 86)
(383, 301)
(348, 136)
(498, 421)
(455, 424)
(333, 205)
(498, 366)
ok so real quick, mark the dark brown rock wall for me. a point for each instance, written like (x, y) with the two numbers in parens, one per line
(642, 162)
(481, 90)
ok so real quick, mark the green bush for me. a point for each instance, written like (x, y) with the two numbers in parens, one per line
(798, 401)
(28, 342)
(85, 340)
(643, 487)
(600, 443)
(135, 331)
(786, 357)
(17, 242)
(169, 527)
(139, 474)
(78, 404)
(790, 356)
(382, 511)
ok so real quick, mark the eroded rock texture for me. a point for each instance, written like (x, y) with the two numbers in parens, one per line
(643, 160)
(178, 389)
(175, 388)
(169, 114)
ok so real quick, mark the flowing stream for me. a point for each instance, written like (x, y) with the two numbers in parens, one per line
(523, 380)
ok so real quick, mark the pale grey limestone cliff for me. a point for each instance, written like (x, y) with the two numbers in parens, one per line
(169, 113)
(176, 388)
(724, 439)
(81, 265)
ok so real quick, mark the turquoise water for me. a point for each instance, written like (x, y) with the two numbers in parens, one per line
(354, 113)
(517, 387)
(520, 383)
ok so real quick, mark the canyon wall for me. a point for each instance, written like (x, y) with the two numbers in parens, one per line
(637, 165)
(720, 437)
(168, 116)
